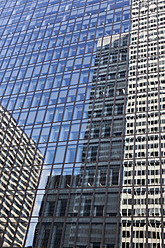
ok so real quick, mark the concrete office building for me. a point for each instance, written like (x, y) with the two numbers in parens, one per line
(20, 162)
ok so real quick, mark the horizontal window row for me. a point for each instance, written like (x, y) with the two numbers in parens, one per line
(90, 19)
(47, 98)
(102, 90)
(42, 56)
(40, 69)
(62, 179)
(61, 113)
(66, 132)
(64, 96)
(69, 10)
(49, 69)
(78, 151)
(59, 53)
(90, 34)
(47, 82)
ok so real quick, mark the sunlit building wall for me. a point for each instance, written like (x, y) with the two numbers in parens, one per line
(20, 167)
(142, 199)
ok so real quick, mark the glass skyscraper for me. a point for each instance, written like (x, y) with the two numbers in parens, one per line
(82, 123)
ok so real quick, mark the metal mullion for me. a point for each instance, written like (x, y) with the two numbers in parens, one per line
(70, 189)
(52, 5)
(19, 35)
(104, 213)
(93, 194)
(123, 140)
(31, 216)
(90, 128)
(37, 109)
(53, 216)
(63, 42)
(97, 157)
(1, 98)
(99, 141)
(80, 194)
(68, 201)
(55, 207)
(56, 35)
(25, 93)
(12, 15)
(147, 65)
(28, 89)
(123, 130)
(40, 28)
(24, 125)
(72, 113)
(10, 6)
(90, 217)
(134, 135)
(18, 109)
(21, 108)
(37, 51)
(113, 115)
(71, 37)
(85, 92)
(75, 222)
(20, 48)
(40, 217)
(9, 57)
(51, 124)
(85, 164)
(159, 109)
(44, 106)
(35, 19)
(35, 40)
(58, 190)
(42, 124)
(6, 97)
(65, 217)
(73, 44)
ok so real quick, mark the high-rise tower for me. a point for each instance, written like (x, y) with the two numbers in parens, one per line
(142, 198)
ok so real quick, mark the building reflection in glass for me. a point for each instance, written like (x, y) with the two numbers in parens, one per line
(20, 167)
(142, 198)
(81, 199)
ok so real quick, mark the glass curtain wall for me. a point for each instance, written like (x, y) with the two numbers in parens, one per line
(82, 123)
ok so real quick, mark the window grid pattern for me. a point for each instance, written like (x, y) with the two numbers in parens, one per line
(142, 197)
(82, 123)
